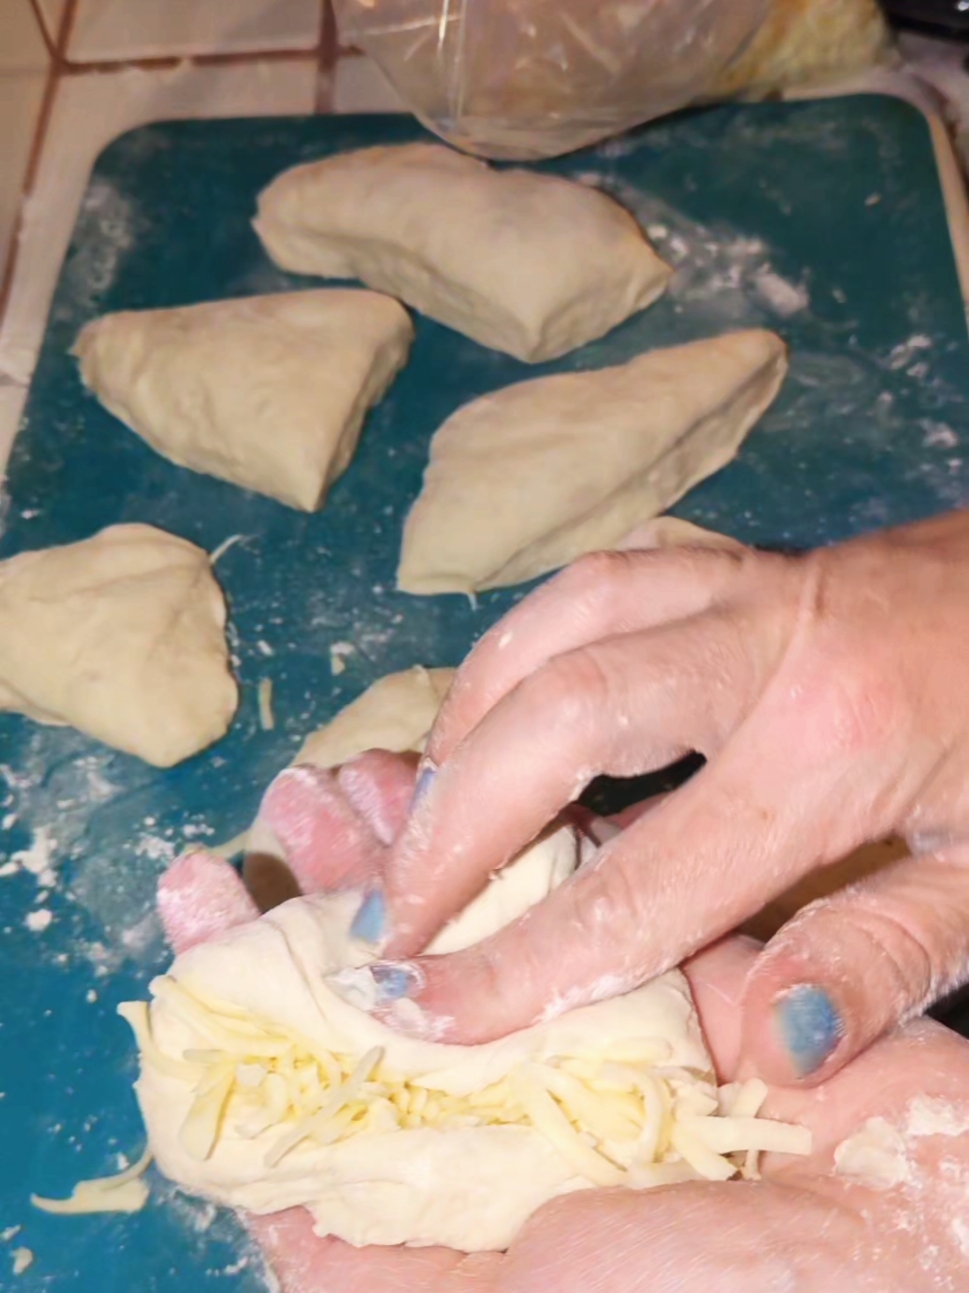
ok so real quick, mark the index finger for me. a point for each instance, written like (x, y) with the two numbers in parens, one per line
(602, 595)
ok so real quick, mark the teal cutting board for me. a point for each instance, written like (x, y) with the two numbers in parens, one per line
(822, 220)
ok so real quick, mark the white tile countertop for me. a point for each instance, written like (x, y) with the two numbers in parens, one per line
(74, 74)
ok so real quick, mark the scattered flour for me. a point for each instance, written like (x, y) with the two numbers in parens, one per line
(38, 859)
(907, 351)
(928, 1203)
(38, 921)
(930, 1117)
(938, 435)
(727, 274)
(875, 1156)
(110, 220)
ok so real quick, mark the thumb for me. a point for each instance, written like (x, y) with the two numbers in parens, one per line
(850, 967)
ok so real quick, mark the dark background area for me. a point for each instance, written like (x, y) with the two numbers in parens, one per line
(945, 17)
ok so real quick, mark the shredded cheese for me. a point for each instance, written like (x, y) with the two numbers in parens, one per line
(624, 1117)
(125, 1192)
(265, 694)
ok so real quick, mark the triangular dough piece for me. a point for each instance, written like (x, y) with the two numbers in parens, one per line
(396, 713)
(527, 479)
(268, 392)
(121, 636)
(531, 264)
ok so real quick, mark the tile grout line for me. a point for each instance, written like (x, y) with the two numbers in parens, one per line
(328, 54)
(324, 54)
(37, 144)
(66, 28)
(49, 40)
(163, 62)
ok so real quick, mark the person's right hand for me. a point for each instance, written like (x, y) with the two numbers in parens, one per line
(830, 694)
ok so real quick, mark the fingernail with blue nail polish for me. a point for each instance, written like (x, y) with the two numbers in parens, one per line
(395, 979)
(368, 923)
(424, 782)
(810, 1026)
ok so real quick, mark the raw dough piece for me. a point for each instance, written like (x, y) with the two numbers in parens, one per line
(265, 1085)
(527, 263)
(527, 479)
(122, 636)
(268, 392)
(396, 714)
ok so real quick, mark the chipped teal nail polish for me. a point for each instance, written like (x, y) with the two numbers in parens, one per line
(424, 782)
(394, 980)
(368, 923)
(809, 1025)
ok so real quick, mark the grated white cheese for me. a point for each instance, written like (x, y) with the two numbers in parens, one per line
(125, 1192)
(265, 692)
(618, 1119)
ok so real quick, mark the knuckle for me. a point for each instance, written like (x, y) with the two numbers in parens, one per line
(847, 694)
(573, 689)
(859, 705)
(594, 582)
(602, 911)
(595, 570)
(915, 972)
(505, 974)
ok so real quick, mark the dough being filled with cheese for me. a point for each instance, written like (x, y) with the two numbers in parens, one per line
(122, 636)
(266, 1084)
(528, 479)
(523, 262)
(267, 392)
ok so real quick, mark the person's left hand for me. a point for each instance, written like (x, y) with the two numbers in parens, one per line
(803, 1228)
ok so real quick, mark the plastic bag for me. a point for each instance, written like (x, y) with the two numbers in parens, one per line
(535, 78)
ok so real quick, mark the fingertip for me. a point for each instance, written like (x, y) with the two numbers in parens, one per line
(293, 802)
(327, 844)
(199, 897)
(379, 786)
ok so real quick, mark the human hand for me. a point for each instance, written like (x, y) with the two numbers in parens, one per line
(827, 693)
(802, 1227)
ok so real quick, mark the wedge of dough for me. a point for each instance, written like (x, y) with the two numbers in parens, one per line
(396, 713)
(268, 392)
(266, 1083)
(121, 636)
(523, 262)
(527, 479)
